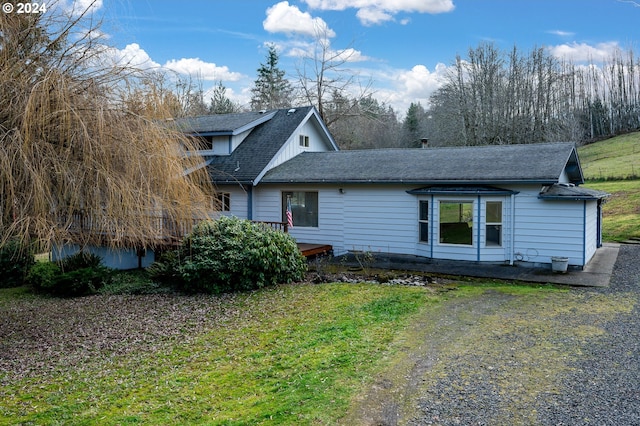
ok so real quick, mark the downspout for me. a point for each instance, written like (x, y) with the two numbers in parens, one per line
(479, 229)
(584, 233)
(250, 202)
(432, 226)
(599, 224)
(513, 229)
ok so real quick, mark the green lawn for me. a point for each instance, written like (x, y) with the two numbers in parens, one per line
(621, 213)
(615, 158)
(289, 355)
(292, 354)
(613, 165)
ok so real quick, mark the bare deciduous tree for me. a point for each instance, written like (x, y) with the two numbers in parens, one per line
(496, 98)
(323, 72)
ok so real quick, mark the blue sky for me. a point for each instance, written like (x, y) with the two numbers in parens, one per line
(402, 48)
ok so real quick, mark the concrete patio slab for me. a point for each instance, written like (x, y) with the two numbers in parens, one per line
(597, 273)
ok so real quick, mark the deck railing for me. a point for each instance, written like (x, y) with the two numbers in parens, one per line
(165, 228)
(278, 226)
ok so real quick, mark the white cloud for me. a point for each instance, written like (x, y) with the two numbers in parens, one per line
(582, 52)
(371, 12)
(309, 49)
(371, 15)
(200, 69)
(561, 33)
(78, 7)
(420, 82)
(134, 56)
(288, 19)
(348, 55)
(414, 85)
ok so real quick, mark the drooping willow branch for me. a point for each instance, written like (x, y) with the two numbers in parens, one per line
(75, 164)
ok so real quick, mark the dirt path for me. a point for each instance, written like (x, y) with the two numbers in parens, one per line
(425, 346)
(501, 359)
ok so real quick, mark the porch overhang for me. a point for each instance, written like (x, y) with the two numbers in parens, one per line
(562, 191)
(461, 190)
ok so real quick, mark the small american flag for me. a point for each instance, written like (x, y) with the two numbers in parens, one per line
(289, 214)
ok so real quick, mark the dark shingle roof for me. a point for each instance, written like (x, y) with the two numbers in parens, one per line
(250, 158)
(540, 163)
(222, 123)
(570, 192)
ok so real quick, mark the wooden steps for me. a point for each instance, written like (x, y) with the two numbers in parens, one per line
(309, 250)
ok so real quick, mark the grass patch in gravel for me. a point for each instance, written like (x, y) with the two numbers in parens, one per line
(285, 355)
(493, 353)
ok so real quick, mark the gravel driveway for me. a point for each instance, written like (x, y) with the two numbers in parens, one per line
(549, 358)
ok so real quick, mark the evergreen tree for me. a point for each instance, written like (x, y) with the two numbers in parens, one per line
(220, 103)
(271, 89)
(413, 125)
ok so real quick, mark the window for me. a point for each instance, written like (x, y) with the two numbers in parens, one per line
(494, 223)
(423, 222)
(223, 202)
(304, 141)
(304, 208)
(456, 222)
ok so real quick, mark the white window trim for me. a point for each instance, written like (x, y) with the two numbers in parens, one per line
(487, 224)
(474, 221)
(426, 221)
(221, 197)
(283, 198)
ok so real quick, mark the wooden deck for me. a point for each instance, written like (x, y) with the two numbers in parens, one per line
(309, 250)
(168, 233)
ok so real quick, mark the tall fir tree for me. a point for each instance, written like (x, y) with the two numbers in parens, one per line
(220, 103)
(271, 89)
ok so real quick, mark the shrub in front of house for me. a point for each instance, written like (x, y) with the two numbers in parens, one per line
(231, 254)
(15, 261)
(78, 275)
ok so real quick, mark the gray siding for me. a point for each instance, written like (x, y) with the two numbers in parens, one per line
(384, 218)
(238, 199)
(591, 231)
(546, 228)
(112, 258)
(268, 207)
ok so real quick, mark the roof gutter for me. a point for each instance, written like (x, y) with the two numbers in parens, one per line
(411, 182)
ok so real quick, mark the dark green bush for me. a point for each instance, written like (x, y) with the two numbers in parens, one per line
(133, 282)
(78, 275)
(80, 260)
(15, 261)
(165, 268)
(81, 282)
(42, 276)
(231, 254)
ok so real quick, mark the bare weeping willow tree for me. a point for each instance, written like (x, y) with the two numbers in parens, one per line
(75, 164)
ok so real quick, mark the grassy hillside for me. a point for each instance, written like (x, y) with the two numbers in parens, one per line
(615, 158)
(621, 213)
(611, 166)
